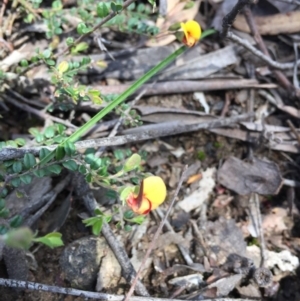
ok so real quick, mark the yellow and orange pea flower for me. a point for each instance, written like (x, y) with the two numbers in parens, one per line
(152, 193)
(192, 32)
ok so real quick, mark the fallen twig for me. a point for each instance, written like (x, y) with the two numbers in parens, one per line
(36, 112)
(169, 128)
(75, 292)
(83, 191)
(230, 17)
(281, 77)
(155, 237)
(259, 54)
(188, 86)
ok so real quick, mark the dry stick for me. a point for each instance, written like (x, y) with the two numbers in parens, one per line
(187, 86)
(83, 191)
(227, 23)
(67, 49)
(155, 237)
(259, 54)
(261, 45)
(36, 112)
(162, 131)
(86, 294)
(290, 1)
(260, 230)
(230, 17)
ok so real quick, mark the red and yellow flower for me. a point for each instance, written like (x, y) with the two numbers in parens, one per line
(152, 193)
(192, 32)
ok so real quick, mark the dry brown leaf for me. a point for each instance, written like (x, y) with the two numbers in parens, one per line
(260, 176)
(194, 178)
(272, 25)
(176, 13)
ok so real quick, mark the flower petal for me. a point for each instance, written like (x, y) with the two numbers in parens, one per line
(192, 32)
(155, 191)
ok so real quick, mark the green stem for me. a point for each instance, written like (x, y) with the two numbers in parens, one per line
(87, 126)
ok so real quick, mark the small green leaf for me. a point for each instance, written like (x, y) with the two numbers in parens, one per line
(17, 167)
(82, 169)
(59, 152)
(69, 148)
(40, 173)
(16, 221)
(90, 221)
(47, 53)
(133, 162)
(89, 158)
(57, 5)
(119, 154)
(59, 139)
(127, 228)
(29, 160)
(3, 229)
(102, 10)
(15, 182)
(138, 219)
(63, 67)
(129, 214)
(60, 129)
(2, 204)
(70, 41)
(70, 164)
(49, 132)
(43, 153)
(88, 178)
(141, 8)
(26, 179)
(24, 63)
(55, 168)
(116, 7)
(79, 47)
(97, 227)
(3, 193)
(4, 213)
(51, 240)
(201, 155)
(33, 131)
(11, 143)
(20, 141)
(96, 164)
(39, 138)
(50, 62)
(82, 28)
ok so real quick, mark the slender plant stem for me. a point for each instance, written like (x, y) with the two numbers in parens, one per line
(76, 135)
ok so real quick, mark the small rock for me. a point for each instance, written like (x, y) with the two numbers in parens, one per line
(81, 260)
